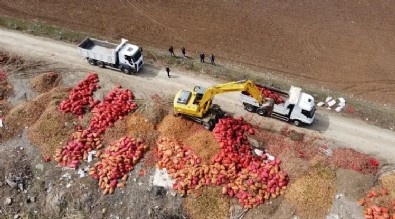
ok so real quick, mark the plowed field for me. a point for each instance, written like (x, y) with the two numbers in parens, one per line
(343, 45)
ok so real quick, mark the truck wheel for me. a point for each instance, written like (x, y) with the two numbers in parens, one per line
(126, 71)
(249, 108)
(261, 112)
(296, 123)
(208, 125)
(101, 64)
(92, 61)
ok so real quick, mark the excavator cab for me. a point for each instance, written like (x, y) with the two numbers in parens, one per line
(199, 93)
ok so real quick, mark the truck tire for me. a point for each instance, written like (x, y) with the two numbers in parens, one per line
(126, 71)
(261, 112)
(296, 122)
(101, 64)
(249, 108)
(92, 61)
(208, 125)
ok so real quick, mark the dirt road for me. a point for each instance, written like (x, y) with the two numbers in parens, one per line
(346, 132)
(341, 45)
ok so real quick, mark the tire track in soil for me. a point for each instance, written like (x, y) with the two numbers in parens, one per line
(149, 12)
(44, 18)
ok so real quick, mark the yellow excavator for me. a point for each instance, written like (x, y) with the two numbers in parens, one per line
(197, 104)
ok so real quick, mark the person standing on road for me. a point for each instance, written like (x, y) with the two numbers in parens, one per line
(212, 59)
(171, 51)
(202, 57)
(183, 51)
(168, 72)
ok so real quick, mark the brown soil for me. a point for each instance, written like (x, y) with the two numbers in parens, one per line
(312, 194)
(210, 204)
(204, 145)
(344, 45)
(353, 184)
(45, 82)
(16, 169)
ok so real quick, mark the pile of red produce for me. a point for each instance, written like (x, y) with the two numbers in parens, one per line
(256, 179)
(77, 148)
(3, 76)
(182, 164)
(117, 160)
(271, 94)
(81, 95)
(373, 211)
(351, 159)
(115, 106)
(240, 174)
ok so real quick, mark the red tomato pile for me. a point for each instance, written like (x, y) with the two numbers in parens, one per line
(116, 161)
(116, 104)
(240, 174)
(372, 211)
(81, 95)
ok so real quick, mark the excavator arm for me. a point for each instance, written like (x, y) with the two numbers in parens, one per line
(245, 85)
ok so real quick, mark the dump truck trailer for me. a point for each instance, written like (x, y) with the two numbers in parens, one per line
(124, 56)
(297, 108)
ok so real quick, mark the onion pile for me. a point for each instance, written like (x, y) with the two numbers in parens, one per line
(116, 161)
(77, 148)
(115, 106)
(240, 174)
(81, 95)
(372, 211)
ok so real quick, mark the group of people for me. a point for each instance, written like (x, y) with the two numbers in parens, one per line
(202, 55)
(212, 58)
(183, 51)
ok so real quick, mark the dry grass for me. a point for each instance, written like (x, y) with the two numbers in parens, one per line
(294, 166)
(52, 130)
(388, 182)
(139, 126)
(5, 90)
(46, 124)
(116, 132)
(45, 82)
(178, 127)
(204, 145)
(312, 194)
(210, 204)
(24, 115)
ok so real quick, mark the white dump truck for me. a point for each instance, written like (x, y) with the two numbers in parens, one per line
(297, 108)
(125, 56)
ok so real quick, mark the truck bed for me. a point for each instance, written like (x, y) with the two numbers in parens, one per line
(98, 50)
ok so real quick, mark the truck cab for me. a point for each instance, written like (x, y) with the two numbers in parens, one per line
(130, 57)
(124, 56)
(298, 107)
